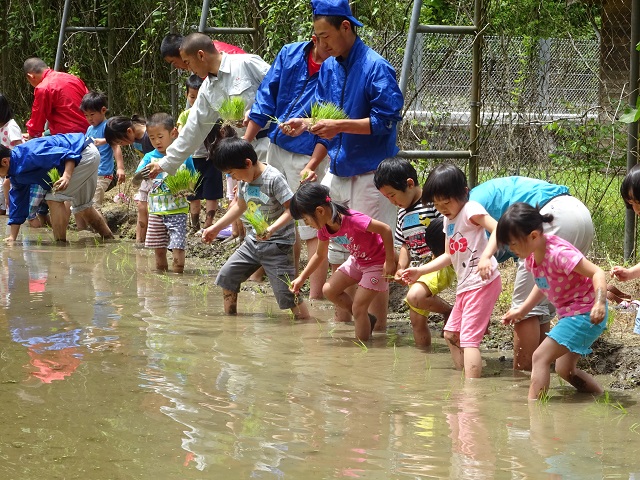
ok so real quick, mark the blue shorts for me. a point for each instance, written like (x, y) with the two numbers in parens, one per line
(577, 333)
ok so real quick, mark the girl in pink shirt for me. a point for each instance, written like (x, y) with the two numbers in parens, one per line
(369, 241)
(574, 285)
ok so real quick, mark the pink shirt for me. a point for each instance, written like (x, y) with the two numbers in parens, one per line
(366, 247)
(465, 242)
(569, 292)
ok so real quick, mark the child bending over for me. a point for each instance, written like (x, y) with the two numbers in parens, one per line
(261, 188)
(574, 285)
(370, 244)
(419, 231)
(479, 282)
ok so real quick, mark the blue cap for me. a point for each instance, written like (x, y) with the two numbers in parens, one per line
(334, 8)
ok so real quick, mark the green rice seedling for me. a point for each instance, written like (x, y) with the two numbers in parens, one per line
(544, 396)
(361, 344)
(635, 428)
(54, 176)
(326, 111)
(183, 183)
(257, 221)
(232, 110)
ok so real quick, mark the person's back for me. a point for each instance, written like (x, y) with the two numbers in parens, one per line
(57, 98)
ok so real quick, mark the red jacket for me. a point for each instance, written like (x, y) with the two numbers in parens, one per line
(57, 100)
(227, 47)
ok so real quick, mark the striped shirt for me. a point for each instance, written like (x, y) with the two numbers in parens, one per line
(267, 193)
(419, 229)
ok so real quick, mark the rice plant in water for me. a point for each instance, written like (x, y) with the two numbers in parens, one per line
(183, 183)
(257, 221)
(326, 111)
(232, 109)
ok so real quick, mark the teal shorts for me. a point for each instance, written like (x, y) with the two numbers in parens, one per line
(577, 333)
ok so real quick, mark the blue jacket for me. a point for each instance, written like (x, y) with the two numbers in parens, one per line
(30, 163)
(285, 93)
(364, 85)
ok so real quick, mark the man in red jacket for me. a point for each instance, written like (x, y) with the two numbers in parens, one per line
(56, 100)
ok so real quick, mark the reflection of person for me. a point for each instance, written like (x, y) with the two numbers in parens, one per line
(419, 231)
(364, 85)
(262, 189)
(10, 136)
(226, 76)
(571, 221)
(76, 158)
(56, 100)
(574, 285)
(369, 241)
(479, 283)
(285, 91)
(167, 229)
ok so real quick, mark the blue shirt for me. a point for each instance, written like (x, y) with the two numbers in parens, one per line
(364, 85)
(285, 92)
(30, 163)
(500, 193)
(106, 152)
(155, 155)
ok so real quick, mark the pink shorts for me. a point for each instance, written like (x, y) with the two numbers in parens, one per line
(472, 312)
(367, 277)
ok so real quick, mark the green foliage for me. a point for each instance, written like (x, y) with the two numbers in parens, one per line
(54, 176)
(326, 111)
(232, 109)
(183, 183)
(257, 220)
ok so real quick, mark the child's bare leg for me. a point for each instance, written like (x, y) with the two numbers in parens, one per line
(360, 311)
(526, 338)
(472, 362)
(379, 308)
(178, 260)
(319, 276)
(94, 218)
(420, 297)
(212, 207)
(143, 220)
(335, 291)
(300, 311)
(194, 210)
(566, 367)
(230, 302)
(162, 265)
(548, 351)
(59, 220)
(341, 315)
(457, 353)
(81, 224)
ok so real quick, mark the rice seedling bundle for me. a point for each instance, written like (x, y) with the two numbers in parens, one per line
(54, 176)
(183, 183)
(232, 110)
(257, 221)
(326, 111)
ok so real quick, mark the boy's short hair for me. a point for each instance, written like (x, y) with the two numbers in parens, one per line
(93, 102)
(197, 41)
(34, 65)
(394, 172)
(161, 119)
(193, 82)
(5, 152)
(170, 46)
(231, 153)
(445, 181)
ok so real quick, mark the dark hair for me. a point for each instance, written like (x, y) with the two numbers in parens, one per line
(34, 65)
(395, 172)
(232, 153)
(630, 188)
(445, 181)
(161, 119)
(194, 82)
(6, 113)
(170, 45)
(335, 21)
(518, 221)
(219, 131)
(116, 128)
(197, 41)
(93, 102)
(312, 195)
(5, 152)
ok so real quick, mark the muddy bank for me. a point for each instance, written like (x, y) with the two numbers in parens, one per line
(616, 353)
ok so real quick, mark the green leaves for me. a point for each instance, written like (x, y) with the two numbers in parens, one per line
(632, 115)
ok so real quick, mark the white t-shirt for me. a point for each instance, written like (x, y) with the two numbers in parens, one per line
(9, 133)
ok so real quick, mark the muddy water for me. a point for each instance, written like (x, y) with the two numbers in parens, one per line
(110, 371)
